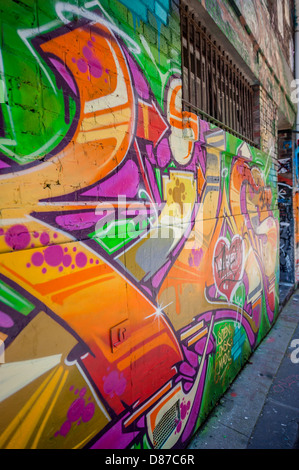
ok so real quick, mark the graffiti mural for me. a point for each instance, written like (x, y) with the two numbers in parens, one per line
(286, 207)
(139, 244)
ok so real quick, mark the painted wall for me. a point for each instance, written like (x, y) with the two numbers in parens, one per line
(139, 245)
(286, 204)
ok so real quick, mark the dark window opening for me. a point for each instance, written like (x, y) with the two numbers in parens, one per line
(213, 86)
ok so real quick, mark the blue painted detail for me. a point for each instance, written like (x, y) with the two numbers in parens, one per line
(238, 341)
(137, 8)
(161, 13)
(159, 8)
(165, 4)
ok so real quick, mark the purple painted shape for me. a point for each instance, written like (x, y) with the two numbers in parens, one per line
(53, 255)
(76, 409)
(197, 256)
(204, 127)
(115, 384)
(65, 74)
(81, 259)
(200, 154)
(160, 274)
(125, 182)
(82, 65)
(114, 438)
(79, 221)
(200, 346)
(88, 412)
(153, 183)
(256, 313)
(3, 164)
(140, 83)
(187, 386)
(150, 154)
(5, 320)
(66, 260)
(141, 422)
(95, 67)
(37, 259)
(44, 238)
(163, 153)
(191, 357)
(196, 406)
(186, 369)
(17, 237)
(147, 290)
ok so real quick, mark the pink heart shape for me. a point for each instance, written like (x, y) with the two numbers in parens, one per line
(228, 265)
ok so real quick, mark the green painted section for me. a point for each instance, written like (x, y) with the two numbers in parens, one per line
(13, 299)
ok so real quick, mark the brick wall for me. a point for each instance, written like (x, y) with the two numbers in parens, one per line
(138, 244)
(265, 115)
(281, 14)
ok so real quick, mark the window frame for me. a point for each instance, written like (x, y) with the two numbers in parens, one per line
(223, 95)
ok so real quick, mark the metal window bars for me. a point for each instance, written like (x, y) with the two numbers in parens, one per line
(213, 86)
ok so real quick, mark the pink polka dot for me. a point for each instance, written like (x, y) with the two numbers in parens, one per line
(44, 270)
(65, 428)
(88, 412)
(5, 320)
(81, 260)
(66, 261)
(17, 237)
(82, 65)
(53, 255)
(44, 238)
(37, 259)
(87, 52)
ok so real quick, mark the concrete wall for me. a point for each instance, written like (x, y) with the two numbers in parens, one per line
(139, 250)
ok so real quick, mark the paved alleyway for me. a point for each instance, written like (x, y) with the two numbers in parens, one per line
(261, 408)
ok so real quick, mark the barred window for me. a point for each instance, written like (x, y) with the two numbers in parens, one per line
(213, 86)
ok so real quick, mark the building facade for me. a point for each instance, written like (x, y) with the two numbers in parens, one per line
(147, 172)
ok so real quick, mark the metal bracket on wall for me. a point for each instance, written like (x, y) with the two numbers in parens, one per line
(118, 334)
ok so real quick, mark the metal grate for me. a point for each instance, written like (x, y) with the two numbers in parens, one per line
(213, 86)
(166, 425)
